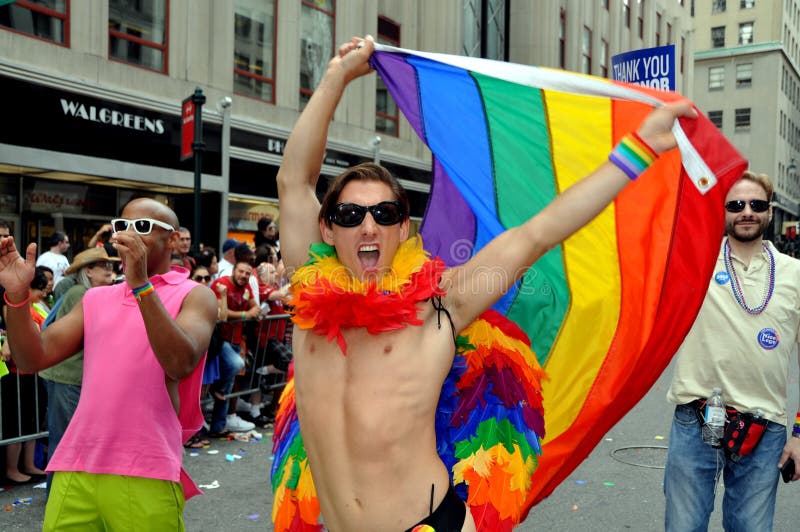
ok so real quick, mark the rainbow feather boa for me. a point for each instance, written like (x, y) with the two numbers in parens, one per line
(327, 299)
(489, 420)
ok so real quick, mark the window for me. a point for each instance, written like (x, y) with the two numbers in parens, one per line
(742, 118)
(45, 19)
(485, 29)
(387, 116)
(658, 29)
(586, 51)
(626, 11)
(747, 4)
(718, 37)
(603, 58)
(472, 28)
(137, 33)
(718, 6)
(494, 46)
(744, 75)
(669, 33)
(562, 35)
(716, 78)
(605, 4)
(716, 118)
(746, 33)
(683, 51)
(641, 19)
(316, 44)
(254, 49)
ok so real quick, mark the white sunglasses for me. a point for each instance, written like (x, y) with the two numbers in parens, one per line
(143, 226)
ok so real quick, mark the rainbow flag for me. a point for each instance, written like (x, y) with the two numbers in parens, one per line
(606, 310)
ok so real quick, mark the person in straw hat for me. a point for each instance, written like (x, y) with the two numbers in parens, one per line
(91, 268)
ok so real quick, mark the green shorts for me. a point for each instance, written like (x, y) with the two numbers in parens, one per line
(87, 502)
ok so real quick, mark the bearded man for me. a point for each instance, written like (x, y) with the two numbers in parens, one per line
(742, 342)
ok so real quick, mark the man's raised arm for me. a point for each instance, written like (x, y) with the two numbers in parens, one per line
(479, 283)
(31, 350)
(302, 158)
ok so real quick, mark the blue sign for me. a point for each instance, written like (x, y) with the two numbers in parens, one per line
(650, 67)
(768, 338)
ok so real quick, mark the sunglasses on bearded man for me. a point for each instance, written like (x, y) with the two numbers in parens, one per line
(756, 205)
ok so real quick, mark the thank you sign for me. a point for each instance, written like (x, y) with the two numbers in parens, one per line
(651, 67)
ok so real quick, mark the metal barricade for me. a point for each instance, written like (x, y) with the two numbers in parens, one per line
(268, 341)
(23, 399)
(23, 403)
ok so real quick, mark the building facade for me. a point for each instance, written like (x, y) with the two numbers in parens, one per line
(93, 90)
(583, 35)
(746, 81)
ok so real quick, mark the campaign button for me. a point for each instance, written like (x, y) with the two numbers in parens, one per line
(722, 277)
(768, 338)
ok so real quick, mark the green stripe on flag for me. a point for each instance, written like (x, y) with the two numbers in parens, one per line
(4, 2)
(524, 185)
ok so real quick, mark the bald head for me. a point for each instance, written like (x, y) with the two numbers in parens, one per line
(151, 209)
(160, 241)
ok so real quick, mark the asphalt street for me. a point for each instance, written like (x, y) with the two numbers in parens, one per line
(617, 487)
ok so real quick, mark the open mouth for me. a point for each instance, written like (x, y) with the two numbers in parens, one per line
(368, 256)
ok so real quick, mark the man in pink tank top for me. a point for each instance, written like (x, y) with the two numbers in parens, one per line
(119, 462)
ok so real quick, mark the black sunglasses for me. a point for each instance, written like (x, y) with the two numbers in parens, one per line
(756, 205)
(352, 214)
(202, 278)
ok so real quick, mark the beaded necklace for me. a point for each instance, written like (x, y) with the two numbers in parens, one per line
(738, 293)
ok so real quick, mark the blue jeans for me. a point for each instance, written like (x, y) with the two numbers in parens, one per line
(693, 469)
(62, 400)
(230, 363)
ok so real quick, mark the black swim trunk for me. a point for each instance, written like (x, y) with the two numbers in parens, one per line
(448, 516)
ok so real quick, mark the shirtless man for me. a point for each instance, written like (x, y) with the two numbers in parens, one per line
(367, 418)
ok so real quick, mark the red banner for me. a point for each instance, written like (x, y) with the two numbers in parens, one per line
(187, 128)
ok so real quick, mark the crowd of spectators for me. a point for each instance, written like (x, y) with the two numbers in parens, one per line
(247, 353)
(788, 244)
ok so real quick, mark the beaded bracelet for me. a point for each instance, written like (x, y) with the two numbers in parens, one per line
(143, 290)
(17, 305)
(633, 155)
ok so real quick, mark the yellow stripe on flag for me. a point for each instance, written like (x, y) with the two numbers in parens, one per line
(590, 260)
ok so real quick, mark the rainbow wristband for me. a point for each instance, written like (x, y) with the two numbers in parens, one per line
(633, 155)
(143, 290)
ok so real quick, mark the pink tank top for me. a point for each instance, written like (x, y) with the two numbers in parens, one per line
(125, 423)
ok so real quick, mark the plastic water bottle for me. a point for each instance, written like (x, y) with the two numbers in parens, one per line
(714, 415)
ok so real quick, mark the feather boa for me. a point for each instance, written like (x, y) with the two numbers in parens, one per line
(489, 420)
(327, 299)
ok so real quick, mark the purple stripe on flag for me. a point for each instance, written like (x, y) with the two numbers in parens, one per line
(401, 80)
(448, 228)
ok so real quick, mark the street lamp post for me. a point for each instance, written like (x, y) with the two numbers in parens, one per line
(375, 142)
(198, 146)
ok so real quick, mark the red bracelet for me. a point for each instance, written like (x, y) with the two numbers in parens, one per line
(17, 305)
